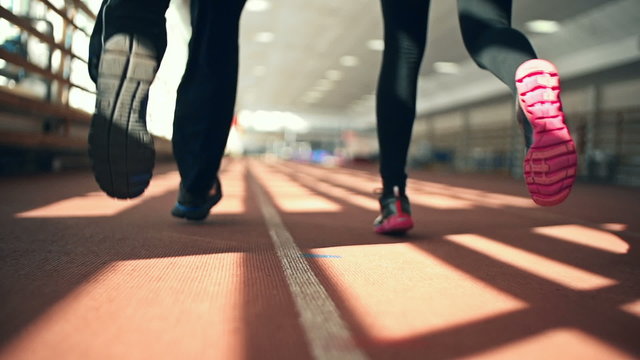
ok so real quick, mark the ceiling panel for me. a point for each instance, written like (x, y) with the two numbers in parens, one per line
(311, 36)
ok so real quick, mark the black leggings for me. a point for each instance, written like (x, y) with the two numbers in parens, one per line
(206, 95)
(488, 37)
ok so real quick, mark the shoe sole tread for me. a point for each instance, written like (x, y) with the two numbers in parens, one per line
(120, 147)
(550, 165)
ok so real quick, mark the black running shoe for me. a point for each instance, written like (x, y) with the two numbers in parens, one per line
(395, 214)
(120, 147)
(196, 208)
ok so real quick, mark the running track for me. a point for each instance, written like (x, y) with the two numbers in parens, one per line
(287, 267)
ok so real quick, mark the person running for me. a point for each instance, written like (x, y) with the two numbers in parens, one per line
(550, 162)
(126, 46)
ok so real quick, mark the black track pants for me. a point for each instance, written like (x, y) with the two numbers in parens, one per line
(490, 40)
(206, 95)
(140, 17)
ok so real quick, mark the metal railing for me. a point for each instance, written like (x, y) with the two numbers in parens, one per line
(53, 108)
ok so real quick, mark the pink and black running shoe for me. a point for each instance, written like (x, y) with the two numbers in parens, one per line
(551, 160)
(395, 214)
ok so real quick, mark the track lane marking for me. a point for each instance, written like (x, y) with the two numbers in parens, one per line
(327, 335)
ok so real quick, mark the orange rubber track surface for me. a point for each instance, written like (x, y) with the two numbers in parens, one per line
(485, 274)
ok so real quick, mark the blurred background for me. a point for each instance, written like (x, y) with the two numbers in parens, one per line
(308, 80)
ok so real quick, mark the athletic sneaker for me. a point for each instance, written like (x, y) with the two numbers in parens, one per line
(196, 208)
(120, 148)
(551, 159)
(395, 214)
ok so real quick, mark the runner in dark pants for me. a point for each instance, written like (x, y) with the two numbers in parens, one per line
(127, 44)
(550, 163)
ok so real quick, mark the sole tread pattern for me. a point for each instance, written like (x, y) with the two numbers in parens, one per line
(120, 147)
(550, 165)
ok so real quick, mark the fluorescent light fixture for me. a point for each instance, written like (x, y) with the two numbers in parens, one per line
(324, 85)
(349, 61)
(264, 37)
(334, 75)
(444, 67)
(314, 95)
(376, 44)
(270, 121)
(542, 26)
(257, 5)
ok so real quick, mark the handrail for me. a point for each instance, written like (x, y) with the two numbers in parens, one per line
(82, 6)
(26, 26)
(50, 141)
(48, 109)
(17, 60)
(60, 76)
(37, 106)
(63, 16)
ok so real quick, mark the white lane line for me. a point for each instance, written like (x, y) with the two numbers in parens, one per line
(327, 334)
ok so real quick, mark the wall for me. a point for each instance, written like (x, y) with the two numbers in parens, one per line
(603, 113)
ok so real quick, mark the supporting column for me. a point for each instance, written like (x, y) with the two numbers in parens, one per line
(463, 161)
(587, 164)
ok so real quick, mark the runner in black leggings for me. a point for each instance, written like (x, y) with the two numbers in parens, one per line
(127, 44)
(550, 163)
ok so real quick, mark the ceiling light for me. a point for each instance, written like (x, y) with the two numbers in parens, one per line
(324, 85)
(257, 5)
(264, 37)
(444, 67)
(349, 61)
(334, 75)
(270, 121)
(542, 26)
(376, 44)
(313, 94)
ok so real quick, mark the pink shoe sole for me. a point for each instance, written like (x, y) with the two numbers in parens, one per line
(550, 164)
(395, 224)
